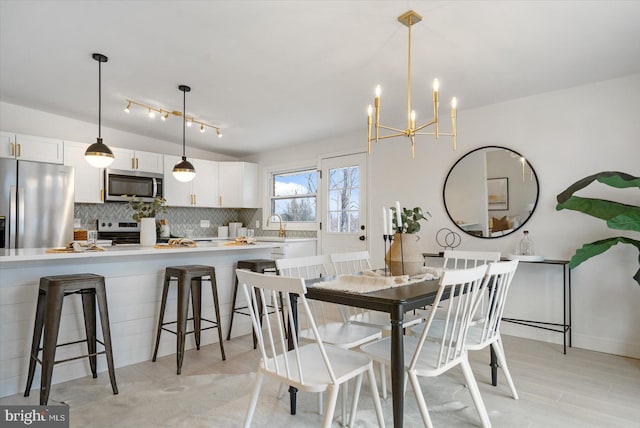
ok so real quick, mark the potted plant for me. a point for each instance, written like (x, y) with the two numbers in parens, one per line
(145, 213)
(617, 215)
(404, 256)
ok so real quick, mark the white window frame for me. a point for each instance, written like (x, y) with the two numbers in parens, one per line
(266, 206)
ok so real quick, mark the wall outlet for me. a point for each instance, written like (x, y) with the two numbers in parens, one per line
(205, 223)
(257, 224)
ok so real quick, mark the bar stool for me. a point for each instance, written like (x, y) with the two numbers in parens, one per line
(189, 279)
(254, 265)
(52, 291)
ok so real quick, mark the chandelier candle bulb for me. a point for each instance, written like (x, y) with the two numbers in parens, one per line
(413, 119)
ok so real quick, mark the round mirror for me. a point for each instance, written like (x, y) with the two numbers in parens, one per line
(491, 192)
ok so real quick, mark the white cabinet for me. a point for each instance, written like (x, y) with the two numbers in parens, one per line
(88, 180)
(202, 191)
(293, 247)
(205, 183)
(31, 148)
(136, 160)
(238, 185)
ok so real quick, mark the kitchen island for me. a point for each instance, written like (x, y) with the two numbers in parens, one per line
(134, 276)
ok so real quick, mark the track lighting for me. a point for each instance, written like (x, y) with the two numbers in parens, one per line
(164, 115)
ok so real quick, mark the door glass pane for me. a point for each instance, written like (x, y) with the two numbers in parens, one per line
(344, 202)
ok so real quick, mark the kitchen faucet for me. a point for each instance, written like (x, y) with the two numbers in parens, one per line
(281, 233)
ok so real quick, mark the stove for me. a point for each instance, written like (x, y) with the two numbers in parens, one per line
(119, 231)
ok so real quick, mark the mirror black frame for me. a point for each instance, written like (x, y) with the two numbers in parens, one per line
(444, 187)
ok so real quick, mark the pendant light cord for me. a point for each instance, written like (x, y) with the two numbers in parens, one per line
(184, 121)
(99, 98)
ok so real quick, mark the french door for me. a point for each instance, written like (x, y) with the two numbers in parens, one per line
(344, 203)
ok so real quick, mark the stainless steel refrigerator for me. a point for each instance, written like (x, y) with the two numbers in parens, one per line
(36, 202)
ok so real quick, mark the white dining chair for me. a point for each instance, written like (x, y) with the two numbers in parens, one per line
(429, 358)
(486, 332)
(312, 367)
(341, 333)
(357, 262)
(459, 259)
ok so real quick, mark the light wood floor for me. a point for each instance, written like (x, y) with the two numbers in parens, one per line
(580, 389)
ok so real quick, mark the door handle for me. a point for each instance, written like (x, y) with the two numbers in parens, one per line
(362, 237)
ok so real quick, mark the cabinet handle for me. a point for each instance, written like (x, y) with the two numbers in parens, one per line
(136, 163)
(18, 150)
(102, 195)
(133, 163)
(220, 200)
(195, 199)
(13, 149)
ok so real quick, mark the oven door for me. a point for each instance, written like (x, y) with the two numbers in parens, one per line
(144, 185)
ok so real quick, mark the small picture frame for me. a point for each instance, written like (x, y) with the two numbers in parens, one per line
(498, 193)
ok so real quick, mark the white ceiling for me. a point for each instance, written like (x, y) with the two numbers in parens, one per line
(275, 73)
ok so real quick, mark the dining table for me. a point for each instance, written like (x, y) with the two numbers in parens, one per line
(396, 301)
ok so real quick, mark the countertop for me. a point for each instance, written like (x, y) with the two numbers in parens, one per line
(31, 254)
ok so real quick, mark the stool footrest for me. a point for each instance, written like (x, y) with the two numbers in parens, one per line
(215, 325)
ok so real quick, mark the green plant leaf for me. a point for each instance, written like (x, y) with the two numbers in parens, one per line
(616, 179)
(617, 215)
(598, 247)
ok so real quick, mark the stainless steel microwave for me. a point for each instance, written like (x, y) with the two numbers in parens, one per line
(145, 185)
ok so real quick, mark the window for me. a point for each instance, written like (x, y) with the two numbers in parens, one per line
(344, 199)
(294, 195)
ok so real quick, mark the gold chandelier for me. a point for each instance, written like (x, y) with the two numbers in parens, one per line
(410, 18)
(164, 115)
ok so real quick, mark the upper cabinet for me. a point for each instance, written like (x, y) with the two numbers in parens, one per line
(136, 160)
(88, 181)
(238, 185)
(202, 191)
(30, 148)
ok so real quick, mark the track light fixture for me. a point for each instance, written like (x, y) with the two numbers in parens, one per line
(98, 154)
(184, 170)
(164, 115)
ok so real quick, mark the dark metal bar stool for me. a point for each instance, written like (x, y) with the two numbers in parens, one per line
(189, 279)
(52, 291)
(254, 265)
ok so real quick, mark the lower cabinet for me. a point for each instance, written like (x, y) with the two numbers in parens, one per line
(292, 249)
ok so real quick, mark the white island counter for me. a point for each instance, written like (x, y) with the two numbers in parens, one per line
(134, 278)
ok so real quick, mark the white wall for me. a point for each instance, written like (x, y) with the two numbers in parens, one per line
(23, 120)
(566, 135)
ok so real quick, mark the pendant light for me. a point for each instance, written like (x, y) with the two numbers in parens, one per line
(184, 170)
(98, 154)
